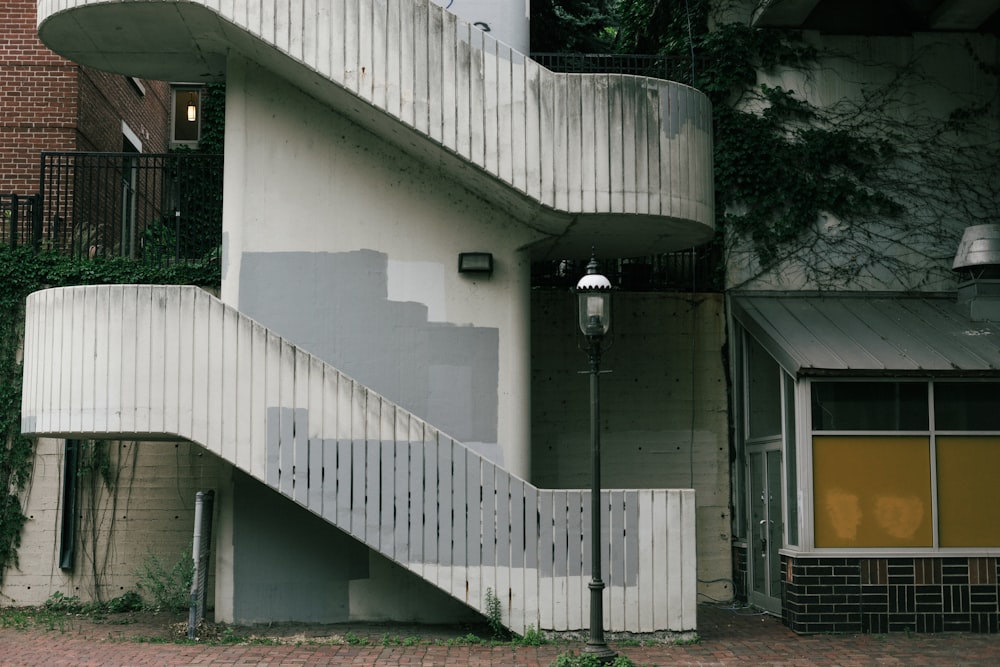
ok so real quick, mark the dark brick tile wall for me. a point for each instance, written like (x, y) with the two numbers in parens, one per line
(740, 588)
(954, 594)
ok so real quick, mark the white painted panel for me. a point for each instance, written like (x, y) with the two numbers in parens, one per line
(577, 544)
(338, 43)
(200, 343)
(532, 129)
(345, 474)
(664, 551)
(477, 97)
(130, 331)
(531, 579)
(242, 371)
(505, 165)
(464, 75)
(578, 143)
(615, 577)
(227, 418)
(255, 440)
(435, 74)
(516, 599)
(393, 57)
(165, 398)
(378, 68)
(448, 95)
(444, 505)
(408, 65)
(689, 558)
(387, 499)
(431, 514)
(459, 554)
(546, 546)
(488, 525)
(518, 123)
(272, 384)
(373, 472)
(282, 27)
(652, 144)
(416, 505)
(632, 541)
(561, 592)
(617, 121)
(401, 497)
(286, 429)
(474, 519)
(73, 364)
(490, 103)
(352, 45)
(359, 477)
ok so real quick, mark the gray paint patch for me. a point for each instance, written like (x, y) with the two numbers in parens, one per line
(335, 305)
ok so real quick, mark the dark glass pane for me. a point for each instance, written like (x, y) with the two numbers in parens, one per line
(763, 391)
(869, 406)
(967, 406)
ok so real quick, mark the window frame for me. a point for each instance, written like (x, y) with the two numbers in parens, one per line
(807, 480)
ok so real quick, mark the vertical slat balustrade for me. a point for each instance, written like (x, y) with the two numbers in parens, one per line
(349, 455)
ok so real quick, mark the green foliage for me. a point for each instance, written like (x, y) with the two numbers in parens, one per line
(494, 615)
(64, 603)
(21, 273)
(532, 637)
(352, 639)
(572, 26)
(166, 588)
(585, 660)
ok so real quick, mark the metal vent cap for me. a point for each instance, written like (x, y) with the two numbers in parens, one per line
(979, 250)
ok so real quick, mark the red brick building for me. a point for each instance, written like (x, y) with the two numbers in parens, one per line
(53, 104)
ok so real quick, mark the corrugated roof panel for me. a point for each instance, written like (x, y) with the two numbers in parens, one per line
(855, 333)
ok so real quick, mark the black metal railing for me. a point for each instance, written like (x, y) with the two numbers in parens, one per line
(694, 270)
(154, 208)
(661, 67)
(21, 219)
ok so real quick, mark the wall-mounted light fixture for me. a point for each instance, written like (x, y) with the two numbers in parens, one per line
(475, 262)
(192, 108)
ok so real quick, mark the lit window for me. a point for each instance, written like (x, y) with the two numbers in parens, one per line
(186, 115)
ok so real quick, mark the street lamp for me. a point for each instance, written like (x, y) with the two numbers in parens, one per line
(594, 295)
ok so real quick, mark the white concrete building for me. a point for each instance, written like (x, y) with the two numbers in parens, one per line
(351, 376)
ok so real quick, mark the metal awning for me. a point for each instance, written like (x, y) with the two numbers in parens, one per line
(869, 334)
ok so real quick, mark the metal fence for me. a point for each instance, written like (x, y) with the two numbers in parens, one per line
(695, 270)
(155, 208)
(21, 218)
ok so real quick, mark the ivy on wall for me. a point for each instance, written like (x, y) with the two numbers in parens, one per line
(21, 273)
(871, 190)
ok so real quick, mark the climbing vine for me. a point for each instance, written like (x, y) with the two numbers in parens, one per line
(868, 190)
(23, 272)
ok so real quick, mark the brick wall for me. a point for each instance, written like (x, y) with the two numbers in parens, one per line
(891, 594)
(52, 104)
(108, 99)
(39, 92)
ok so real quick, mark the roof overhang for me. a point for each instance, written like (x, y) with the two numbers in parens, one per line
(867, 334)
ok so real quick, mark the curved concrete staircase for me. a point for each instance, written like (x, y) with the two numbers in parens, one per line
(154, 363)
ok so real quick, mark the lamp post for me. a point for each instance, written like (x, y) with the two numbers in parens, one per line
(594, 297)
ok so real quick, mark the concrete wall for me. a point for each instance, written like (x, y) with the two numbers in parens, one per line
(505, 20)
(290, 565)
(663, 407)
(152, 512)
(348, 248)
(904, 89)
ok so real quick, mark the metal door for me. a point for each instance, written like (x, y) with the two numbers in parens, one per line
(766, 527)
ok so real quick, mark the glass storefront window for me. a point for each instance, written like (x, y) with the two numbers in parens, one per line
(869, 406)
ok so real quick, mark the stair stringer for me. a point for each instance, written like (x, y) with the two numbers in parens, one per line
(170, 362)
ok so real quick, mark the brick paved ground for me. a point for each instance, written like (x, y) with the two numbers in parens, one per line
(727, 638)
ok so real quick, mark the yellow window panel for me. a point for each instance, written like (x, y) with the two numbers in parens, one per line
(968, 491)
(872, 491)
